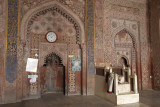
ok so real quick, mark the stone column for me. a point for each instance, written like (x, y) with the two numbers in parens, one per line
(115, 84)
(135, 84)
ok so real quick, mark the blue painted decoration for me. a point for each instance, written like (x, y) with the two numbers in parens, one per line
(12, 36)
(90, 43)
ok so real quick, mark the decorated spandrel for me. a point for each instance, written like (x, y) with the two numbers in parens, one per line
(76, 64)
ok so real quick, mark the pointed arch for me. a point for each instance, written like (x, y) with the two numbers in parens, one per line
(124, 57)
(53, 56)
(133, 48)
(67, 13)
(124, 29)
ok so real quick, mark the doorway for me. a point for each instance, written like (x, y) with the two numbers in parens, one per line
(53, 75)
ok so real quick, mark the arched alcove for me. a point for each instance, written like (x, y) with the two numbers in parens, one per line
(125, 45)
(132, 35)
(123, 61)
(34, 42)
(129, 36)
(136, 59)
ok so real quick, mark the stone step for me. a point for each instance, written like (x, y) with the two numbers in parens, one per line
(124, 88)
(127, 98)
(126, 93)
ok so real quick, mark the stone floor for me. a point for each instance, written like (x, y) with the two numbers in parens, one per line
(148, 98)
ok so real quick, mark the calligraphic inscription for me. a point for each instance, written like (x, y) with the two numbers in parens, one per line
(12, 36)
(76, 64)
(90, 43)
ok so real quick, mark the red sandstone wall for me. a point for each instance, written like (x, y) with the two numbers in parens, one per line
(110, 16)
(155, 41)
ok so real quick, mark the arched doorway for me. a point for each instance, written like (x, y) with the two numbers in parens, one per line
(53, 75)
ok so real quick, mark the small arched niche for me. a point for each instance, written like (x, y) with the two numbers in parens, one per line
(123, 61)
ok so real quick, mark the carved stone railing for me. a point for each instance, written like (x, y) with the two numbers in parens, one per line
(126, 73)
(120, 92)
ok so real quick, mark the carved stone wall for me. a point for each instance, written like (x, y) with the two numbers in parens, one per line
(114, 16)
(155, 42)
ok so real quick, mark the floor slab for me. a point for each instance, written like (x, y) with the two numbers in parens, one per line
(148, 98)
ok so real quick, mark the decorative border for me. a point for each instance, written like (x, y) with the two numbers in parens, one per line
(12, 40)
(90, 33)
